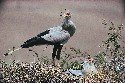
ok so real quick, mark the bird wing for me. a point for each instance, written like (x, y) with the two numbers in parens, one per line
(49, 31)
(57, 35)
(51, 36)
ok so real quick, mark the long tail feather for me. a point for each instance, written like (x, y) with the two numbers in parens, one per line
(10, 52)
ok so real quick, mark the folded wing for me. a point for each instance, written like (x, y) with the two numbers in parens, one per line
(57, 35)
(51, 36)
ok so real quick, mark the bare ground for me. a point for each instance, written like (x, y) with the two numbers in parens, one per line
(21, 20)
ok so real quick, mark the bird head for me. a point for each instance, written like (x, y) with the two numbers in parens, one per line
(67, 14)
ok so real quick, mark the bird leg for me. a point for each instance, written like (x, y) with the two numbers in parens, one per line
(58, 55)
(59, 52)
(54, 53)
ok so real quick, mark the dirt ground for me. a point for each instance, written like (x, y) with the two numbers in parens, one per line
(23, 19)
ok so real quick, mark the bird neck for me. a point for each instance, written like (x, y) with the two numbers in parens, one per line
(66, 21)
(68, 26)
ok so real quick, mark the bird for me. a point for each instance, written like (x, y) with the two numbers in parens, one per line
(56, 36)
(89, 66)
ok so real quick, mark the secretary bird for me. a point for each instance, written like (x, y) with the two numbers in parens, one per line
(56, 36)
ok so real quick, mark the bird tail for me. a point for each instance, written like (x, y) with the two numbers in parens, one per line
(35, 41)
(10, 52)
(31, 42)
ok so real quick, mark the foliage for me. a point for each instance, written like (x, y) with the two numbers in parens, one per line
(111, 60)
(34, 73)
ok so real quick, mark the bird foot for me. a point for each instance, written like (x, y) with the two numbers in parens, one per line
(55, 63)
(58, 65)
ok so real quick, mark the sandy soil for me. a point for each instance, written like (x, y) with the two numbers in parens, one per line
(21, 20)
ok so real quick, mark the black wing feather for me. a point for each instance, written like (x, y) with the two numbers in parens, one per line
(37, 40)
